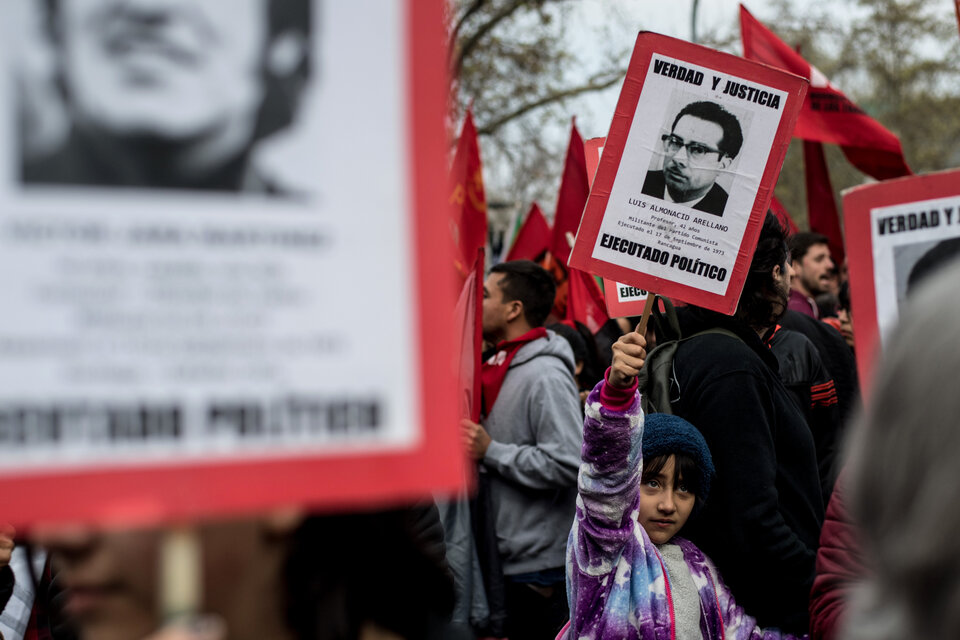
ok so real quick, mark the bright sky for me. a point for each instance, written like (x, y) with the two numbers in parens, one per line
(620, 20)
(597, 29)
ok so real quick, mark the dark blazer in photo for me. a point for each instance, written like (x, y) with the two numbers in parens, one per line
(713, 203)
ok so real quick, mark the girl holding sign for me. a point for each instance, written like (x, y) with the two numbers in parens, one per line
(629, 575)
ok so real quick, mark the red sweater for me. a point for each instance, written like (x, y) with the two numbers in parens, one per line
(839, 566)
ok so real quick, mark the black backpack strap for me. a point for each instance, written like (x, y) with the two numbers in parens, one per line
(715, 330)
(660, 389)
(665, 323)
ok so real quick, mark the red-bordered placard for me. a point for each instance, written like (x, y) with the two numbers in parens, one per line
(687, 173)
(593, 149)
(623, 300)
(148, 490)
(894, 229)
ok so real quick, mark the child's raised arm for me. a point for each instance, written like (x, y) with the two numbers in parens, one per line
(608, 550)
(611, 458)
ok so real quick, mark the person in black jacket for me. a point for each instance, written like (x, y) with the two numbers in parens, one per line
(763, 520)
(815, 394)
(837, 357)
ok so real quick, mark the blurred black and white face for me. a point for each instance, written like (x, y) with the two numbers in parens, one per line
(174, 69)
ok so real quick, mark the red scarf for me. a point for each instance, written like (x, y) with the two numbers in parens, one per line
(768, 339)
(495, 369)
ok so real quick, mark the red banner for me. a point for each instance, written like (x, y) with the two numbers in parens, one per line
(533, 238)
(821, 207)
(468, 319)
(585, 301)
(574, 189)
(827, 114)
(468, 201)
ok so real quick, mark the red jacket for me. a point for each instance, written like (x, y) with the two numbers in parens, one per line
(839, 566)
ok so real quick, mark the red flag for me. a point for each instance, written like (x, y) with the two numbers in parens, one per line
(783, 216)
(594, 149)
(957, 6)
(827, 115)
(821, 207)
(470, 327)
(468, 204)
(533, 238)
(585, 301)
(574, 189)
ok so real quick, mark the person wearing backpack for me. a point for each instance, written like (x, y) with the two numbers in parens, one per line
(641, 478)
(762, 523)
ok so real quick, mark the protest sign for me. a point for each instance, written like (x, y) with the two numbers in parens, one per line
(593, 148)
(687, 172)
(623, 299)
(223, 290)
(897, 231)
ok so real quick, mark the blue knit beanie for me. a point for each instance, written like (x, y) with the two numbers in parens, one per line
(665, 434)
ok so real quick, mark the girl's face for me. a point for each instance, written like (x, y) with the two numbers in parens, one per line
(665, 505)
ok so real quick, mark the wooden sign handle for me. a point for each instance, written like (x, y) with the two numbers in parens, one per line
(647, 308)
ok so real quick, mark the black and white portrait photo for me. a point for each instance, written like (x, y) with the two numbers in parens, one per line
(165, 94)
(175, 175)
(912, 263)
(702, 140)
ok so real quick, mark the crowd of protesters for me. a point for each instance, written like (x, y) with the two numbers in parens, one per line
(594, 519)
(764, 505)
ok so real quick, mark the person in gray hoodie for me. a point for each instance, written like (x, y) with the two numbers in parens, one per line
(528, 445)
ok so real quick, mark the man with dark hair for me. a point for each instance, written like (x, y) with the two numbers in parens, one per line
(813, 271)
(173, 93)
(763, 519)
(703, 141)
(528, 445)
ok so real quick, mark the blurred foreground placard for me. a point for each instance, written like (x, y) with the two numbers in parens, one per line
(897, 232)
(215, 292)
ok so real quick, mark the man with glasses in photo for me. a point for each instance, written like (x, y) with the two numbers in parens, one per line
(703, 141)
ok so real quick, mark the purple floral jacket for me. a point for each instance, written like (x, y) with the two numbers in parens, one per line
(617, 585)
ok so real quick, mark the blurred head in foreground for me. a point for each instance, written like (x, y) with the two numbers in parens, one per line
(342, 577)
(905, 475)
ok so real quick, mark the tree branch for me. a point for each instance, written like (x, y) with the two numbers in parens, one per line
(475, 6)
(594, 85)
(471, 41)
